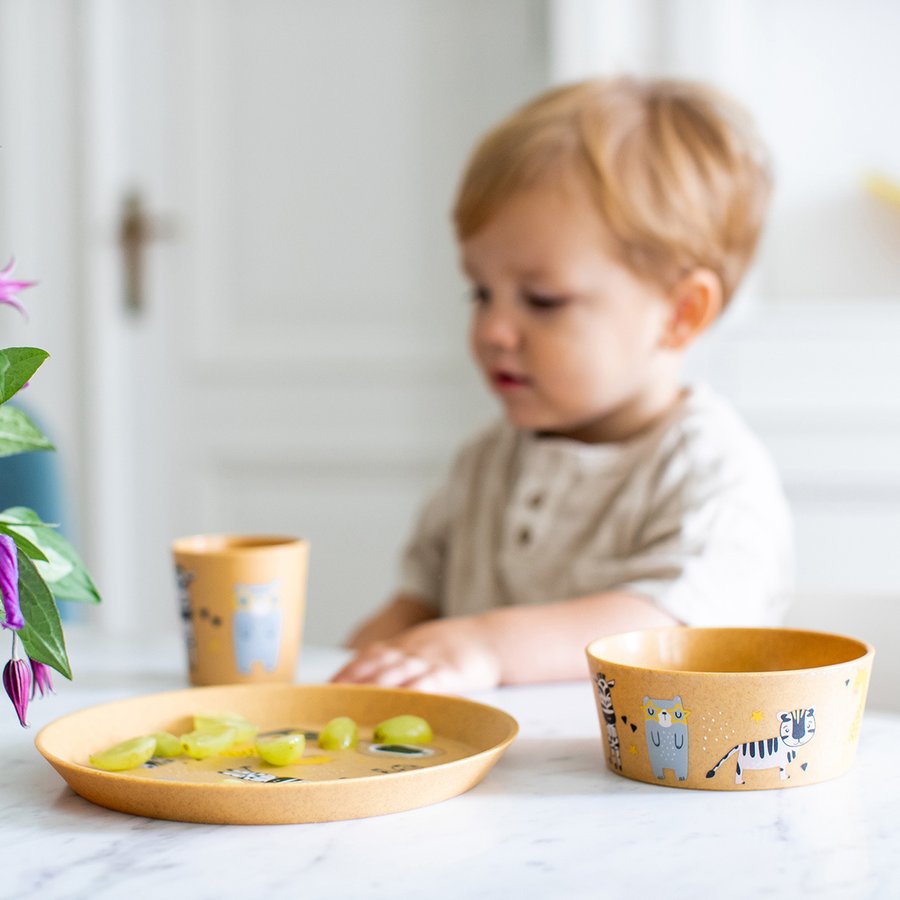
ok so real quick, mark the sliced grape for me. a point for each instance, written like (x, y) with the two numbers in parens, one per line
(211, 740)
(167, 744)
(339, 734)
(244, 729)
(404, 730)
(127, 755)
(281, 749)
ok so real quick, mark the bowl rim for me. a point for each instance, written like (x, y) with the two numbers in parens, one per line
(868, 651)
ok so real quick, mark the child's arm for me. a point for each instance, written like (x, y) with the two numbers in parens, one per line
(400, 613)
(512, 645)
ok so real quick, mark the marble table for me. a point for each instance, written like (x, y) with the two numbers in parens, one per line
(549, 821)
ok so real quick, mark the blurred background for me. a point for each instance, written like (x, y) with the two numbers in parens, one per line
(238, 213)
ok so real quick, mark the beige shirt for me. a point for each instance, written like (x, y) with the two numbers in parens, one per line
(690, 514)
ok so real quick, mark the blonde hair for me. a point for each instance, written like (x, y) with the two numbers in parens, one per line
(675, 169)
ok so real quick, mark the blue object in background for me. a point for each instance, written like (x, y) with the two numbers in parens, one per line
(35, 480)
(32, 480)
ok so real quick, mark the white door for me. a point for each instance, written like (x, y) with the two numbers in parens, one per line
(292, 359)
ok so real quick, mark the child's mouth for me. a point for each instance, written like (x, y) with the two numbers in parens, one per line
(508, 381)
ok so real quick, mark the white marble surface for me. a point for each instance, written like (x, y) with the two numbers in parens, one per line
(548, 821)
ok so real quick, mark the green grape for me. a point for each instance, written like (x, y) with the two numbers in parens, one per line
(167, 744)
(281, 749)
(245, 730)
(211, 740)
(404, 730)
(338, 734)
(127, 755)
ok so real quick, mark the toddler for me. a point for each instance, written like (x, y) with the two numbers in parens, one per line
(603, 228)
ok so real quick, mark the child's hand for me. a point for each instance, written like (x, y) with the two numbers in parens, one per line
(401, 613)
(446, 655)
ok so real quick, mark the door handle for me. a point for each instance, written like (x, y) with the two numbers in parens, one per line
(136, 229)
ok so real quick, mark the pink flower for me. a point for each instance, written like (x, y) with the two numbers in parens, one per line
(17, 683)
(9, 583)
(9, 288)
(42, 681)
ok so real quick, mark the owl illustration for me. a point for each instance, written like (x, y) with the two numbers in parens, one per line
(257, 625)
(665, 726)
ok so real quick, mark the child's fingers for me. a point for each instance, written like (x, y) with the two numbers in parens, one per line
(385, 666)
(426, 682)
(365, 665)
(400, 673)
(451, 679)
(435, 679)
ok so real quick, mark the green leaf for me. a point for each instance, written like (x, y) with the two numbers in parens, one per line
(17, 365)
(63, 571)
(42, 635)
(23, 544)
(7, 519)
(22, 515)
(18, 434)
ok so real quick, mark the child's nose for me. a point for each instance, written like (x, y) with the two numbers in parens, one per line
(496, 327)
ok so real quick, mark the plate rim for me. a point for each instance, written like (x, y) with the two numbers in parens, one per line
(127, 776)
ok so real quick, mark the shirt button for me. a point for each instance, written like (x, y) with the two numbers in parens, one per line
(535, 500)
(524, 535)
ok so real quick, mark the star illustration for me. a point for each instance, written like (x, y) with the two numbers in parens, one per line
(632, 749)
(756, 715)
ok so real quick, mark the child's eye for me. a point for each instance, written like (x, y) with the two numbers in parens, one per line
(543, 302)
(479, 294)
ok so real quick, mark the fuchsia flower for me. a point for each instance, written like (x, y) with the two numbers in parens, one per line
(9, 288)
(17, 683)
(24, 677)
(42, 681)
(9, 583)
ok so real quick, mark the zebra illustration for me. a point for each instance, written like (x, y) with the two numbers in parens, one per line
(609, 718)
(183, 579)
(798, 727)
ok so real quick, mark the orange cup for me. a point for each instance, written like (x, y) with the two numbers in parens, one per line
(242, 600)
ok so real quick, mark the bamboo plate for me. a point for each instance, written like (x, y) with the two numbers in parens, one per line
(371, 780)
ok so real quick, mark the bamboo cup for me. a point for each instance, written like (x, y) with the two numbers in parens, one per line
(242, 602)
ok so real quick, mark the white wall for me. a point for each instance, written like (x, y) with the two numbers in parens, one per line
(324, 381)
(38, 213)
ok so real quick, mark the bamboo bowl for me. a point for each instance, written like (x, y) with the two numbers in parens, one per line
(729, 708)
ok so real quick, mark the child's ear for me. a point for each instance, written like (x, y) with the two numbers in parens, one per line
(696, 302)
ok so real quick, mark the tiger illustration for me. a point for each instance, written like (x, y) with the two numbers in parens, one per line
(797, 728)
